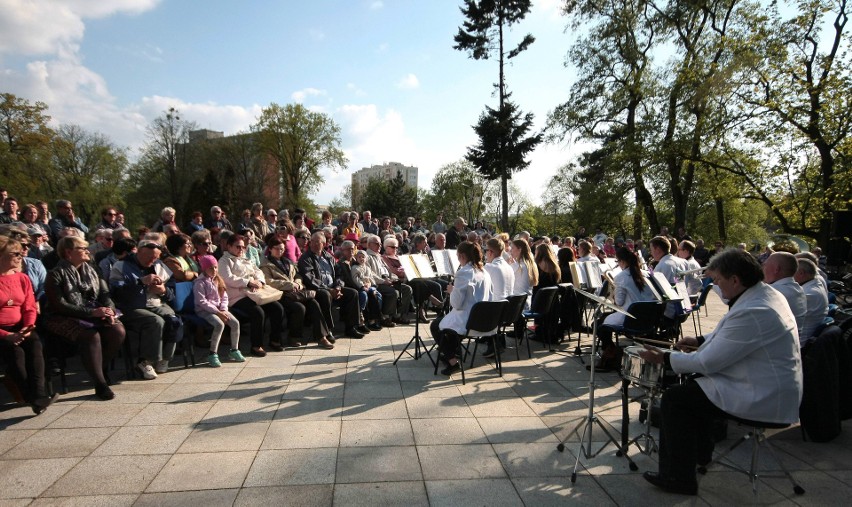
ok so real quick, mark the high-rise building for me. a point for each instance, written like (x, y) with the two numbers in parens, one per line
(387, 172)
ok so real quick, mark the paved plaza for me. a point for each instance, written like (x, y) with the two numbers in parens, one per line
(347, 427)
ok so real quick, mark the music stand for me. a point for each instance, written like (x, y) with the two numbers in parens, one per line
(592, 418)
(416, 339)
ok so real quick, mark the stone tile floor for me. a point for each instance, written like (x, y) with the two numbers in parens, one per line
(347, 427)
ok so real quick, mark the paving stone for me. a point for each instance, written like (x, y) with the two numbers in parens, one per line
(311, 495)
(61, 443)
(374, 433)
(164, 439)
(127, 474)
(29, 478)
(371, 464)
(302, 434)
(200, 498)
(410, 494)
(449, 430)
(465, 461)
(187, 472)
(86, 501)
(222, 437)
(293, 466)
(484, 492)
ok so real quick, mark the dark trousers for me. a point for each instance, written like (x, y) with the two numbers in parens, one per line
(258, 315)
(448, 341)
(25, 366)
(350, 311)
(686, 430)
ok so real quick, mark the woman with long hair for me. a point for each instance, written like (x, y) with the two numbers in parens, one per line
(549, 273)
(80, 311)
(526, 271)
(470, 286)
(631, 286)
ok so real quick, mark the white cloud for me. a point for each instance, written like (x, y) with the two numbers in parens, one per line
(301, 95)
(383, 47)
(408, 82)
(378, 4)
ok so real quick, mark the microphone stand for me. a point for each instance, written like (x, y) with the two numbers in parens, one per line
(592, 418)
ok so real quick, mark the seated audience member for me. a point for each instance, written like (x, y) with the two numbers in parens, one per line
(367, 224)
(170, 230)
(196, 222)
(221, 242)
(369, 297)
(298, 302)
(352, 226)
(81, 311)
(10, 211)
(167, 217)
(257, 222)
(816, 299)
(393, 305)
(211, 304)
(424, 287)
(241, 276)
(271, 219)
(20, 346)
(317, 269)
(202, 244)
(253, 248)
(102, 243)
(39, 247)
(108, 215)
(471, 285)
(345, 263)
(120, 249)
(65, 218)
(217, 220)
(609, 247)
(308, 222)
(51, 259)
(180, 262)
(456, 234)
(749, 367)
(138, 286)
(30, 219)
(440, 242)
(686, 251)
(326, 223)
(702, 254)
(778, 271)
(33, 268)
(303, 238)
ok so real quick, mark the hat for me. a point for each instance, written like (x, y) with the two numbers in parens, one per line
(35, 231)
(462, 220)
(207, 261)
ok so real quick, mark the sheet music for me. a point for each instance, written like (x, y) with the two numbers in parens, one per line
(683, 294)
(670, 293)
(575, 274)
(593, 270)
(442, 262)
(610, 263)
(424, 267)
(454, 260)
(409, 267)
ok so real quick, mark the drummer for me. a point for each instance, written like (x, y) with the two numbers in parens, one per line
(631, 286)
(750, 369)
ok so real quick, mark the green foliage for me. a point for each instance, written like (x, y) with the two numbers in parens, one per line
(302, 142)
(458, 190)
(503, 141)
(390, 198)
(25, 146)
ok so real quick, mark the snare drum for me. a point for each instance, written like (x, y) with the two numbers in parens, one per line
(638, 371)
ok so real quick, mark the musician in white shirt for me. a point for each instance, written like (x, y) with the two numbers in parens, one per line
(667, 264)
(584, 250)
(778, 271)
(685, 251)
(471, 285)
(817, 300)
(750, 366)
(525, 270)
(502, 280)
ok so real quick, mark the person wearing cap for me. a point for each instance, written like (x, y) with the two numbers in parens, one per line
(457, 234)
(138, 286)
(39, 247)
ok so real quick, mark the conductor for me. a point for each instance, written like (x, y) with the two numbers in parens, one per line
(749, 368)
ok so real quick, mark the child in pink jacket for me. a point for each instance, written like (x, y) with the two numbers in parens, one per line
(211, 304)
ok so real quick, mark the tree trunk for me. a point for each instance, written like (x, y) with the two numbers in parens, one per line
(720, 220)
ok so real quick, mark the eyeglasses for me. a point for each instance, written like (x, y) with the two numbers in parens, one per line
(110, 214)
(25, 246)
(81, 248)
(17, 254)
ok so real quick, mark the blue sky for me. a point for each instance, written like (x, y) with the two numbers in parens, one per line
(384, 70)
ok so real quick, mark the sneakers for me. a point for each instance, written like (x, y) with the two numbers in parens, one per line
(213, 359)
(236, 356)
(162, 366)
(147, 370)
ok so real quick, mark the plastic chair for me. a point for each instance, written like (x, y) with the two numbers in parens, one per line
(540, 308)
(645, 320)
(511, 313)
(484, 319)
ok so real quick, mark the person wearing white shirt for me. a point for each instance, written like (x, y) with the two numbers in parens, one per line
(584, 250)
(502, 280)
(778, 271)
(750, 369)
(816, 297)
(525, 271)
(471, 285)
(667, 264)
(685, 251)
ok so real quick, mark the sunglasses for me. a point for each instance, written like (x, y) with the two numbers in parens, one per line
(17, 254)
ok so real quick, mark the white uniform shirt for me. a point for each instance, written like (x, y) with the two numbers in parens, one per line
(795, 296)
(751, 363)
(522, 282)
(693, 280)
(817, 302)
(627, 293)
(669, 265)
(502, 279)
(470, 286)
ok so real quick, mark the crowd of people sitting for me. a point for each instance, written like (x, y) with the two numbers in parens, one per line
(273, 272)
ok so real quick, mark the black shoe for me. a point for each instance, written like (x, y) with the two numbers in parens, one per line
(671, 485)
(331, 338)
(276, 347)
(402, 321)
(103, 392)
(354, 333)
(388, 323)
(41, 403)
(449, 370)
(375, 326)
(363, 329)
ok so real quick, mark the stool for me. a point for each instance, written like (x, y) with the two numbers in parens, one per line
(757, 434)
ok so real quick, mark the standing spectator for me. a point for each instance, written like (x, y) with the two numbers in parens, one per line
(702, 255)
(10, 211)
(367, 224)
(457, 234)
(64, 218)
(108, 215)
(167, 217)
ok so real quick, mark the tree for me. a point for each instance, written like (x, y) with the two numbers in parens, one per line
(458, 190)
(390, 198)
(166, 157)
(302, 142)
(25, 146)
(501, 131)
(88, 171)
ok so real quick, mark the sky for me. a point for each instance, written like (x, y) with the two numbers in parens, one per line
(384, 70)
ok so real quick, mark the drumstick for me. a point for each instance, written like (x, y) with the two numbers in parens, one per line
(666, 344)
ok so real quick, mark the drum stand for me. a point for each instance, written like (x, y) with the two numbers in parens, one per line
(649, 445)
(592, 418)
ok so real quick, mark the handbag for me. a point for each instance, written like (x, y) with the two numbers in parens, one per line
(265, 295)
(300, 295)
